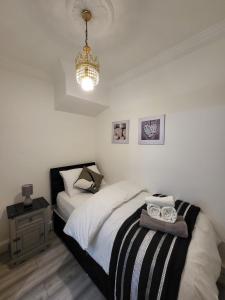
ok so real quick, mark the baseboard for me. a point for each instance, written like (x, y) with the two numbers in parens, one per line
(4, 246)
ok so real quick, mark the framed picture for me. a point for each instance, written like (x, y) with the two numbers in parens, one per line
(151, 130)
(120, 132)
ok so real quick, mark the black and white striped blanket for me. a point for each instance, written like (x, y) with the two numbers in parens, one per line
(146, 264)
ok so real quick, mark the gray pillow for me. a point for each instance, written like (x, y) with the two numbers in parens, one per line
(89, 180)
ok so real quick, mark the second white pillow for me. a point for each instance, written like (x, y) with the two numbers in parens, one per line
(69, 177)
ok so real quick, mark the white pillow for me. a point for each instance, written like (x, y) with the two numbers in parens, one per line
(69, 177)
(95, 169)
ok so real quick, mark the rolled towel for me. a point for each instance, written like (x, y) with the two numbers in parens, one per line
(166, 213)
(160, 201)
(154, 211)
(179, 228)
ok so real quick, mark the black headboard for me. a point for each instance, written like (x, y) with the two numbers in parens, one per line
(56, 181)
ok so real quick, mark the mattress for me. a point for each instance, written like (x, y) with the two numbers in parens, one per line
(66, 204)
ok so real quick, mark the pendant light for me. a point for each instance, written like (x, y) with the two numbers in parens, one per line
(87, 66)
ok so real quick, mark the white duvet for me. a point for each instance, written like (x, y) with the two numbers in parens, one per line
(95, 224)
(86, 221)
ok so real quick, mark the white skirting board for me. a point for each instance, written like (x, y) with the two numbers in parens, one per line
(4, 246)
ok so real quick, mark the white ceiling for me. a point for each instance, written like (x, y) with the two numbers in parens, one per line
(123, 34)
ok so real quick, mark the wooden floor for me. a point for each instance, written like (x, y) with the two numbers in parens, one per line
(53, 274)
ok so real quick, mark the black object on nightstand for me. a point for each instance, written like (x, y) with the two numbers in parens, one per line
(29, 228)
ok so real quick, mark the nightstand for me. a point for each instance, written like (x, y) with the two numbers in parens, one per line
(29, 228)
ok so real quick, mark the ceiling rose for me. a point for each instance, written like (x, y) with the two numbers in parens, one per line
(102, 15)
(64, 16)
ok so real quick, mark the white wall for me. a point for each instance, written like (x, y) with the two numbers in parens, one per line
(191, 164)
(34, 137)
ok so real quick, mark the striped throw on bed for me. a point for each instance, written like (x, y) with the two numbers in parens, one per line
(146, 264)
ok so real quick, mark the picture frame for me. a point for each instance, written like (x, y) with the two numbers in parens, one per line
(120, 132)
(151, 130)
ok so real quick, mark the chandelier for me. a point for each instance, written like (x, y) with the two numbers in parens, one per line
(87, 66)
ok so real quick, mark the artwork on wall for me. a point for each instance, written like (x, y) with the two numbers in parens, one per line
(151, 130)
(120, 132)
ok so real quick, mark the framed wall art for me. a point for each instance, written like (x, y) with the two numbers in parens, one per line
(151, 130)
(120, 132)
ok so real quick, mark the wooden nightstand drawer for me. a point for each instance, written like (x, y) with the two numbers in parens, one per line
(27, 220)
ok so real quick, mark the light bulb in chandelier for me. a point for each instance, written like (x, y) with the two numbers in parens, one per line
(87, 84)
(87, 66)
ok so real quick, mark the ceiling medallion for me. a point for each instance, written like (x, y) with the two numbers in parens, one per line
(101, 22)
(87, 66)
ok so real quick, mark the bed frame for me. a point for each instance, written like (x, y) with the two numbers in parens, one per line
(90, 266)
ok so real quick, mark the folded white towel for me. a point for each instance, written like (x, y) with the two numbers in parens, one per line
(166, 213)
(160, 201)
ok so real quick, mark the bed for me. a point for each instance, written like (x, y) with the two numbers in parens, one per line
(202, 263)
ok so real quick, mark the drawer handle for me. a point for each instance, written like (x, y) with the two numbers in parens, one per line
(17, 252)
(30, 219)
(41, 234)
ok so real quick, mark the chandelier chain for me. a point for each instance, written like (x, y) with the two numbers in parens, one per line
(86, 34)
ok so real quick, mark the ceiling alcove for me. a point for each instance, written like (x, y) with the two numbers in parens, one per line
(70, 98)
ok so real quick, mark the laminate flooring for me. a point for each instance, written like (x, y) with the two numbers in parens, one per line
(51, 275)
